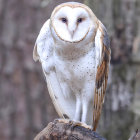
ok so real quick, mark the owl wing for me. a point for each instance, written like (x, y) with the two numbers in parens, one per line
(103, 54)
(43, 51)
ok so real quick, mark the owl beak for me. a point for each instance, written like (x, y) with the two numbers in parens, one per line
(72, 25)
(72, 30)
(72, 33)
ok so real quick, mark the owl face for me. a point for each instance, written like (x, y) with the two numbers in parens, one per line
(71, 23)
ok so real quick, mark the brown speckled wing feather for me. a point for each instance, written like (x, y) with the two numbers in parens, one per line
(101, 76)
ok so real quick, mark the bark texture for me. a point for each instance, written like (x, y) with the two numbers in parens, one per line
(67, 130)
(135, 136)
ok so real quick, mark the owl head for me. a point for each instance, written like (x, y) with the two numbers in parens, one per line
(73, 22)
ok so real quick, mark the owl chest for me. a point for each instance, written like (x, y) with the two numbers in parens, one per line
(79, 70)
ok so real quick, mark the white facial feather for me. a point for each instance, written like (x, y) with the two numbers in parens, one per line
(76, 26)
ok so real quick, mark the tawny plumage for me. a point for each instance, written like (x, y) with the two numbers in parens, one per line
(74, 51)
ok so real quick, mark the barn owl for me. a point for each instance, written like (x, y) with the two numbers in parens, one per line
(74, 51)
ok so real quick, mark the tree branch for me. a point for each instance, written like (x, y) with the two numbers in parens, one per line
(62, 129)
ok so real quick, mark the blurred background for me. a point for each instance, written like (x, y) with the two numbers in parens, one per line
(25, 105)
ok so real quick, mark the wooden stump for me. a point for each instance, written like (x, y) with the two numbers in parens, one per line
(136, 135)
(63, 129)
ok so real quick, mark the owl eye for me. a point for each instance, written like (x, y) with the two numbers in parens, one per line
(64, 20)
(79, 20)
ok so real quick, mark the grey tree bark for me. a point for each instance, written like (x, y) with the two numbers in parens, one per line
(63, 129)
